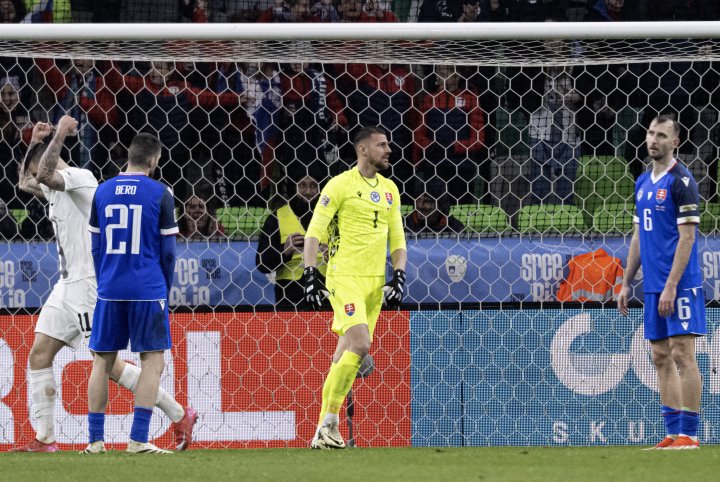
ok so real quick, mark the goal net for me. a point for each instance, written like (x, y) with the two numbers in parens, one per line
(515, 148)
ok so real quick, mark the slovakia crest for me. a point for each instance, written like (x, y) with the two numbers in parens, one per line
(660, 195)
(388, 197)
(375, 197)
(350, 309)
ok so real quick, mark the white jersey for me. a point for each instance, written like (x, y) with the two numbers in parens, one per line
(69, 213)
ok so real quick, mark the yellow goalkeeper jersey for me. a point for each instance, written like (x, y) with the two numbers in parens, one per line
(360, 216)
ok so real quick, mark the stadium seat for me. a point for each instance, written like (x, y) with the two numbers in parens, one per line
(242, 221)
(614, 218)
(601, 181)
(709, 217)
(406, 209)
(551, 219)
(19, 215)
(481, 218)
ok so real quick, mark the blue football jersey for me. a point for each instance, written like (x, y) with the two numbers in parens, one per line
(131, 213)
(660, 206)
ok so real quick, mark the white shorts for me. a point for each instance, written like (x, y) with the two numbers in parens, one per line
(68, 313)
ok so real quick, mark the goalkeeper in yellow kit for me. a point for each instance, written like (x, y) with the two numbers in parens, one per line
(361, 210)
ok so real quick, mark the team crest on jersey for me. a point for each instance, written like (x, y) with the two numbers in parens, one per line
(350, 309)
(388, 197)
(640, 193)
(375, 197)
(660, 195)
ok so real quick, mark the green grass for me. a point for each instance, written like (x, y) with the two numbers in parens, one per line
(387, 464)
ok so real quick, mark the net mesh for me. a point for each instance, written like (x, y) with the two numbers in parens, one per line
(512, 158)
(504, 53)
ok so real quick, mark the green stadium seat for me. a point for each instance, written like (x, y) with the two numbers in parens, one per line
(709, 217)
(406, 209)
(601, 181)
(481, 218)
(551, 219)
(19, 215)
(242, 221)
(614, 218)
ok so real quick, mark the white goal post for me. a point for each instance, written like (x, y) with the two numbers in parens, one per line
(469, 43)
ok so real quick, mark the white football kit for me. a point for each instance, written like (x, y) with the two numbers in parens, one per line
(67, 314)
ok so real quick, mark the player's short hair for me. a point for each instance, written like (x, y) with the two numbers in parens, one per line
(33, 155)
(142, 148)
(663, 118)
(366, 133)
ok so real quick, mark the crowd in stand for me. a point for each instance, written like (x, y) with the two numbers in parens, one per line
(230, 129)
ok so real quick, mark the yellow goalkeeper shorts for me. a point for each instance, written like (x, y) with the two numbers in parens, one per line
(355, 301)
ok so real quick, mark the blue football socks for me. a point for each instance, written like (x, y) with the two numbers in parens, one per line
(689, 423)
(671, 417)
(141, 424)
(96, 422)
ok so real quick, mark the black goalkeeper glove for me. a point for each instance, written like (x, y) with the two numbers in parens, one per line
(315, 290)
(394, 289)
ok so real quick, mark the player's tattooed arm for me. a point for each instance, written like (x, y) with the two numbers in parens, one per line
(47, 173)
(30, 185)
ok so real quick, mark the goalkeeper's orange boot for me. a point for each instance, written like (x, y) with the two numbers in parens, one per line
(184, 429)
(663, 444)
(684, 442)
(37, 446)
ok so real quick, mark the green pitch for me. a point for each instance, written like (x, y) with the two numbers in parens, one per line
(390, 464)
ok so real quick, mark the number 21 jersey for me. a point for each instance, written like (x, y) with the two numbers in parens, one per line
(131, 213)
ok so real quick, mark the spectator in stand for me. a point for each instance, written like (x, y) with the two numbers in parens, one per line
(280, 247)
(15, 131)
(195, 11)
(36, 226)
(450, 140)
(280, 12)
(554, 135)
(440, 11)
(431, 214)
(383, 95)
(300, 11)
(81, 92)
(312, 114)
(471, 10)
(324, 11)
(349, 10)
(197, 223)
(163, 103)
(8, 226)
(615, 10)
(254, 132)
(11, 11)
(376, 11)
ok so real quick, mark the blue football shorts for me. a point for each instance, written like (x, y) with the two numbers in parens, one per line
(145, 324)
(688, 318)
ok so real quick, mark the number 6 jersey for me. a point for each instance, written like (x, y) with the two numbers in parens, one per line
(130, 216)
(661, 204)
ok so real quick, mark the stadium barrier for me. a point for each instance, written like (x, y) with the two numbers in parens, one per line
(559, 377)
(440, 271)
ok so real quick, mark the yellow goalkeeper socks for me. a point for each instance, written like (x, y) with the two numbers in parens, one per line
(325, 392)
(340, 380)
